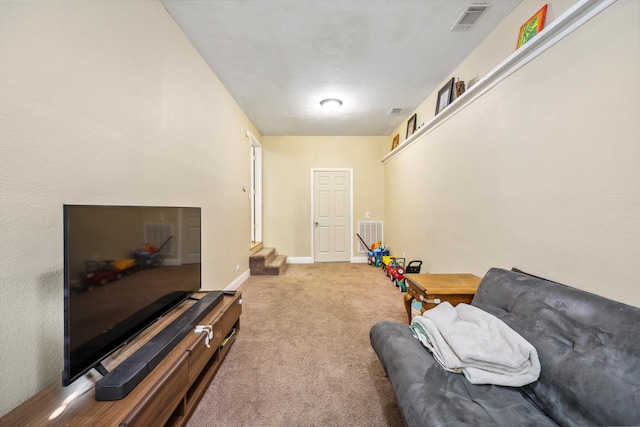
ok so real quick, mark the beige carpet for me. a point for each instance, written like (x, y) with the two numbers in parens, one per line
(303, 357)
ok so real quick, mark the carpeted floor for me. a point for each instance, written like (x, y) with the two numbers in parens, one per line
(303, 357)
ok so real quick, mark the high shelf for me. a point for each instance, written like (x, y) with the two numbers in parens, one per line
(167, 396)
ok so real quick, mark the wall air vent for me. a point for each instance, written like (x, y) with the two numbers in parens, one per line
(469, 17)
(371, 232)
(394, 111)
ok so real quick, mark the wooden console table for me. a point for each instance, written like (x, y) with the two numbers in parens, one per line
(166, 397)
(430, 289)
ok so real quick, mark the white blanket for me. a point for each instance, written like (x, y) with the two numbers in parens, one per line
(481, 346)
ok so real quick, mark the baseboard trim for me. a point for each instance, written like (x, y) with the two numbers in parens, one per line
(299, 260)
(309, 260)
(238, 281)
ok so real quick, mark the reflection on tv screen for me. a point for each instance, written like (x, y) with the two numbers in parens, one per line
(124, 267)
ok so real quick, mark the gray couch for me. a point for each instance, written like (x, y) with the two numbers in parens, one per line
(588, 346)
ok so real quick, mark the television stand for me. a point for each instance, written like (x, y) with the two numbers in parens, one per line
(166, 397)
(118, 383)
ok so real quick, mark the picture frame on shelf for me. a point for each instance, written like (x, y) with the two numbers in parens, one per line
(396, 141)
(459, 88)
(445, 96)
(411, 125)
(533, 26)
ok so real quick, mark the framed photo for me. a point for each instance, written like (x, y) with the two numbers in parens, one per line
(411, 125)
(533, 26)
(396, 140)
(445, 96)
(459, 88)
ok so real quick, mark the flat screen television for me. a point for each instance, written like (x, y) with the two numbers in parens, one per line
(124, 268)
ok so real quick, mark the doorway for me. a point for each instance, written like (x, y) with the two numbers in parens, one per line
(255, 194)
(331, 208)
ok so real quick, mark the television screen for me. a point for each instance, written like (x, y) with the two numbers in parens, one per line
(124, 267)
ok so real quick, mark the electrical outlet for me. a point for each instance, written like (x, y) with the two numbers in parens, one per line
(403, 255)
(238, 267)
(367, 215)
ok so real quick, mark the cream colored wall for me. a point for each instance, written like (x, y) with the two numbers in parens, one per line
(541, 173)
(492, 51)
(288, 161)
(103, 103)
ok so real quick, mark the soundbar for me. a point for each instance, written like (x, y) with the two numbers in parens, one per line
(122, 380)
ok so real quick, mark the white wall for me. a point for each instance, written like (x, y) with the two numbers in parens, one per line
(103, 103)
(541, 173)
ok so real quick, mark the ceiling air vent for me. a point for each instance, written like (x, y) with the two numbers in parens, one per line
(469, 17)
(394, 111)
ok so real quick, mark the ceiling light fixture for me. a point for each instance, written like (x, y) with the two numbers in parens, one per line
(331, 104)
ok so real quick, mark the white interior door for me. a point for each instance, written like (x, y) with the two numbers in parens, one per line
(332, 215)
(190, 236)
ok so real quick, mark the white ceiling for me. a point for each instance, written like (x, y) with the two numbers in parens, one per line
(280, 58)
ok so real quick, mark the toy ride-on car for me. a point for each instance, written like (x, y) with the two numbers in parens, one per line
(414, 267)
(396, 274)
(389, 266)
(386, 259)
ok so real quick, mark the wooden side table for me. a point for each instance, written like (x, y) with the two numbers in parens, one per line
(431, 289)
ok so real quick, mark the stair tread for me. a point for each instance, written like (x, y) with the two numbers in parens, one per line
(263, 253)
(267, 262)
(278, 261)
